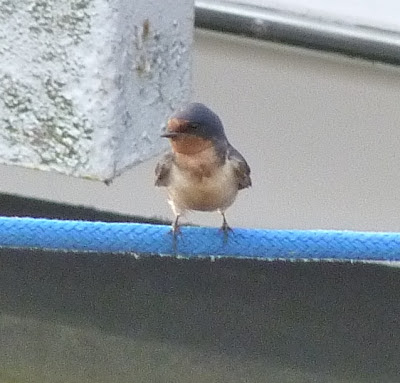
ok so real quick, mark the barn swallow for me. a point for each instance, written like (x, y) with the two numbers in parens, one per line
(203, 171)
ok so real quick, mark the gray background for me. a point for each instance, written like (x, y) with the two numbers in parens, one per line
(320, 133)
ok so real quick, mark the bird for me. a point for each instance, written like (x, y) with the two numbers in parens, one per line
(203, 171)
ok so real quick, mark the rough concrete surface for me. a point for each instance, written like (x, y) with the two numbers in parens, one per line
(86, 85)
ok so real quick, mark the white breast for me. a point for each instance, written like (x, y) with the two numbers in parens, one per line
(189, 191)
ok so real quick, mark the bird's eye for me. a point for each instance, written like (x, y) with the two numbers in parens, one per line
(194, 126)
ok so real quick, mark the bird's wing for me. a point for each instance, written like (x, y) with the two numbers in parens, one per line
(163, 170)
(242, 169)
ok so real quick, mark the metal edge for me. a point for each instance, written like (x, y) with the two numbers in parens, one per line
(299, 30)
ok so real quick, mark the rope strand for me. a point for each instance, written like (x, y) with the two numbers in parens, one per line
(144, 239)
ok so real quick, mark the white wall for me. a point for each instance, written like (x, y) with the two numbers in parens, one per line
(375, 13)
(321, 134)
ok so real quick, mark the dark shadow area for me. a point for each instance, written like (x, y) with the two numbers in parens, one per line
(341, 319)
(17, 206)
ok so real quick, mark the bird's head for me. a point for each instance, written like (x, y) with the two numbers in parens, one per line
(194, 128)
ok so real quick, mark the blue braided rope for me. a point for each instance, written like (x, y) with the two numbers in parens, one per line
(197, 241)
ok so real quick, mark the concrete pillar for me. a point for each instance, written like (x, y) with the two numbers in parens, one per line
(86, 85)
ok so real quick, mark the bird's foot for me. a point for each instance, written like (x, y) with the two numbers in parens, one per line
(175, 230)
(225, 228)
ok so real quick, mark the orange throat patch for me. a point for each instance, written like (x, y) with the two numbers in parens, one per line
(185, 143)
(188, 144)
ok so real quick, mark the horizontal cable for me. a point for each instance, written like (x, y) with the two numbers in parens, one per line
(300, 30)
(144, 239)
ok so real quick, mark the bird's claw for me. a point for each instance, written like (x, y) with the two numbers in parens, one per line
(175, 230)
(225, 228)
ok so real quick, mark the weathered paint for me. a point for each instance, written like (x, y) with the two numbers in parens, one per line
(86, 85)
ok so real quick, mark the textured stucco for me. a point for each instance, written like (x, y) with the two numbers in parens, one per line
(86, 85)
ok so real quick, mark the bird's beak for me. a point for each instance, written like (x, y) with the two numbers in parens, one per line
(175, 128)
(170, 134)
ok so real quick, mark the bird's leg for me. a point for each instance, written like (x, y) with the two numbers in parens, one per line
(175, 231)
(225, 227)
(175, 226)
